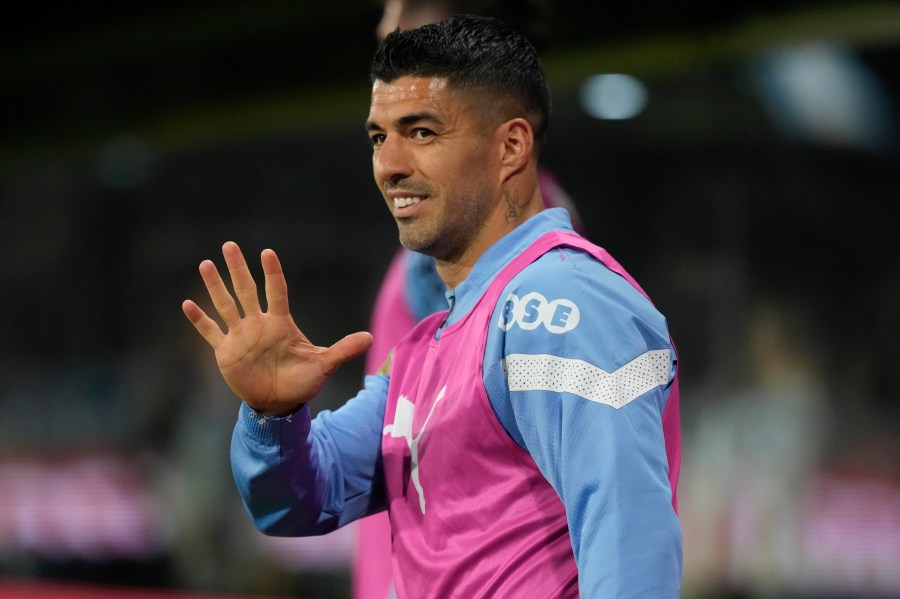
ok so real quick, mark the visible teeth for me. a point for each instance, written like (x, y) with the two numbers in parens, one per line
(403, 202)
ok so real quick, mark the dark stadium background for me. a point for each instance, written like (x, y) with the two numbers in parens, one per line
(753, 197)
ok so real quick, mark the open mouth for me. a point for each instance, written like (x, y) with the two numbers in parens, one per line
(404, 202)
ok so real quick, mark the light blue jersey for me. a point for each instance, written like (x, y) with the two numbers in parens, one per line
(578, 368)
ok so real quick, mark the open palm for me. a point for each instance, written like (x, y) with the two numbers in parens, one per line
(264, 357)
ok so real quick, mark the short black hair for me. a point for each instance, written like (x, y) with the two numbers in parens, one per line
(471, 52)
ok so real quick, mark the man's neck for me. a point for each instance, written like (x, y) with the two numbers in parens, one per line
(510, 214)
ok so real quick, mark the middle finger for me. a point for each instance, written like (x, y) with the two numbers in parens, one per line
(241, 279)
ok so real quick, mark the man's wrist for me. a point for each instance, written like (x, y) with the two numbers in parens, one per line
(264, 415)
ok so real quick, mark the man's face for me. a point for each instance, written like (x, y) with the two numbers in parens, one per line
(436, 162)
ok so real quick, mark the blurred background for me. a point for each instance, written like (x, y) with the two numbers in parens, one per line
(741, 161)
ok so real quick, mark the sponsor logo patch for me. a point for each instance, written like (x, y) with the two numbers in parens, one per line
(533, 310)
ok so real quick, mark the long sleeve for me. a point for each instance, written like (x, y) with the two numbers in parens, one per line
(578, 373)
(299, 476)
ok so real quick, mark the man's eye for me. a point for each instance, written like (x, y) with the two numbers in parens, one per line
(377, 139)
(421, 133)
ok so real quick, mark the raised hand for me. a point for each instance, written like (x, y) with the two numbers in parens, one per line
(265, 358)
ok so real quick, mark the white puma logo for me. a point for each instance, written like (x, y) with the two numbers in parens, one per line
(402, 427)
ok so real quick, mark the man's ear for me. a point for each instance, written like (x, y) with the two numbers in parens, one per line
(517, 149)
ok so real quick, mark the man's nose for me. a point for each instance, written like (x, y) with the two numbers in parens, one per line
(392, 161)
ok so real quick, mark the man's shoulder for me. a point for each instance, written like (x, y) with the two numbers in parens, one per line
(567, 268)
(567, 290)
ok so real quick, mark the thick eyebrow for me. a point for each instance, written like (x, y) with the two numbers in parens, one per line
(406, 121)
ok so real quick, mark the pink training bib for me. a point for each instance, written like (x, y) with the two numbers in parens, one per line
(471, 514)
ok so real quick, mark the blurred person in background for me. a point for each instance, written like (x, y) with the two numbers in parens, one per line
(412, 289)
(456, 121)
(755, 451)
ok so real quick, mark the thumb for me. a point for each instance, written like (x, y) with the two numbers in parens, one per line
(351, 346)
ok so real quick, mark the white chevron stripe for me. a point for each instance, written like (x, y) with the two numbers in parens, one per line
(543, 372)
